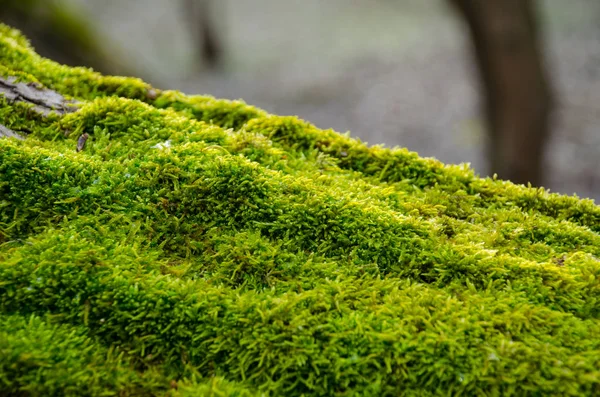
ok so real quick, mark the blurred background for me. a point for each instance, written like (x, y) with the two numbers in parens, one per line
(510, 86)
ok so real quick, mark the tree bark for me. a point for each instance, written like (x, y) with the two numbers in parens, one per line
(518, 98)
(6, 132)
(42, 101)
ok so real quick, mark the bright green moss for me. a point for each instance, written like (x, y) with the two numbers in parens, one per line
(17, 55)
(225, 251)
(41, 358)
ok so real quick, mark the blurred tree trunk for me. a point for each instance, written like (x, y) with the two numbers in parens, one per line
(200, 18)
(518, 96)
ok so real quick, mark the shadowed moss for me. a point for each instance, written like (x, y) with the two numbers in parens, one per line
(225, 251)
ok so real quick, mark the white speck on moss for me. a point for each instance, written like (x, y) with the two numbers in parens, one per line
(163, 145)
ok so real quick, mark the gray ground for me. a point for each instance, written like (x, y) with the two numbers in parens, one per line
(391, 71)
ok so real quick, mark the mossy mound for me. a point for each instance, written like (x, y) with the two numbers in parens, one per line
(60, 32)
(204, 247)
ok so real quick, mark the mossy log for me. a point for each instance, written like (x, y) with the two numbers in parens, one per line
(61, 33)
(197, 246)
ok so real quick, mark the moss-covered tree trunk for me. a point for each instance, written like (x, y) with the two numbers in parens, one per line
(199, 247)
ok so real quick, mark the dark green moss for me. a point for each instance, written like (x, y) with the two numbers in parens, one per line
(225, 251)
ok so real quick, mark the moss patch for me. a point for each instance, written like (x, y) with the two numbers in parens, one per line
(204, 247)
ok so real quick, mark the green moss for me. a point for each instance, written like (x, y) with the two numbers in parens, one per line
(59, 31)
(225, 251)
(41, 358)
(17, 54)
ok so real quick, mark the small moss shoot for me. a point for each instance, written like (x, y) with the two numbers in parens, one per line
(197, 246)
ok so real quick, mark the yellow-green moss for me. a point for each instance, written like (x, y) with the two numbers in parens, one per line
(56, 26)
(226, 251)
